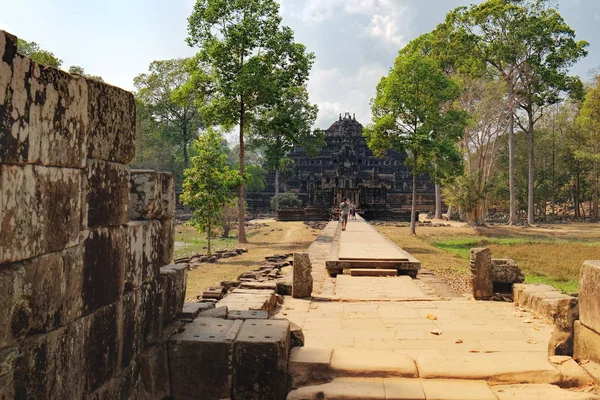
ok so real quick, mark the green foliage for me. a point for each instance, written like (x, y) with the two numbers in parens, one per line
(76, 69)
(286, 200)
(37, 54)
(209, 183)
(254, 178)
(412, 113)
(171, 106)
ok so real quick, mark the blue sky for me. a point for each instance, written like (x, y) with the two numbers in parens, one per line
(355, 41)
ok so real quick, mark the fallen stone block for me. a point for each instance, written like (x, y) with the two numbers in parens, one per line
(103, 267)
(259, 285)
(44, 117)
(216, 294)
(230, 284)
(191, 310)
(200, 359)
(589, 297)
(302, 283)
(111, 127)
(263, 343)
(284, 288)
(41, 210)
(586, 344)
(247, 314)
(106, 193)
(523, 293)
(217, 312)
(152, 195)
(309, 365)
(505, 270)
(481, 268)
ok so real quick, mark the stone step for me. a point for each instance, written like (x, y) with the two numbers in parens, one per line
(311, 365)
(373, 272)
(431, 389)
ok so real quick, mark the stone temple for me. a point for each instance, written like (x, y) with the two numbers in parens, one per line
(346, 168)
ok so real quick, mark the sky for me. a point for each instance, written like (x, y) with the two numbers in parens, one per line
(354, 41)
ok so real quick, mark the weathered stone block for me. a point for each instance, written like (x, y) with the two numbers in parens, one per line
(132, 319)
(63, 352)
(126, 386)
(43, 112)
(302, 284)
(167, 241)
(155, 372)
(173, 279)
(200, 360)
(8, 362)
(39, 210)
(586, 344)
(102, 347)
(481, 268)
(505, 270)
(107, 188)
(153, 310)
(104, 264)
(560, 343)
(111, 123)
(191, 310)
(261, 360)
(142, 263)
(40, 294)
(152, 195)
(523, 292)
(589, 296)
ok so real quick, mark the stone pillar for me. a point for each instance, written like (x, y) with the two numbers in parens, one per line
(303, 282)
(587, 329)
(481, 268)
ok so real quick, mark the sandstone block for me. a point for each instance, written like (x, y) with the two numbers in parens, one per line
(191, 310)
(39, 210)
(523, 292)
(167, 241)
(302, 284)
(200, 360)
(102, 347)
(217, 312)
(261, 360)
(481, 268)
(125, 386)
(107, 189)
(40, 294)
(142, 263)
(43, 118)
(284, 288)
(62, 351)
(505, 270)
(560, 343)
(155, 372)
(173, 279)
(104, 264)
(132, 320)
(111, 127)
(152, 195)
(153, 311)
(589, 296)
(296, 335)
(586, 344)
(8, 362)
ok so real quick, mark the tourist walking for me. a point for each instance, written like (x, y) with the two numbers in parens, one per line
(352, 211)
(344, 210)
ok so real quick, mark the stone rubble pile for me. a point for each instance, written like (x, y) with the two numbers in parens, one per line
(317, 225)
(88, 297)
(196, 260)
(493, 278)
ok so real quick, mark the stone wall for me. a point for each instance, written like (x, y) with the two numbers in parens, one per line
(587, 329)
(87, 299)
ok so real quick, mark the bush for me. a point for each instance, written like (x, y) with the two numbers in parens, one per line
(287, 200)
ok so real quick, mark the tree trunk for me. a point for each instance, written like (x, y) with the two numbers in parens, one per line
(476, 215)
(512, 219)
(413, 212)
(530, 186)
(595, 193)
(241, 211)
(186, 159)
(438, 201)
(576, 195)
(276, 189)
(208, 235)
(553, 195)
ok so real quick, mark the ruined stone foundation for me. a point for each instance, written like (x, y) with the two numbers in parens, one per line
(87, 298)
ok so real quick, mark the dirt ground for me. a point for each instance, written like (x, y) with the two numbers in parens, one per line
(274, 238)
(550, 254)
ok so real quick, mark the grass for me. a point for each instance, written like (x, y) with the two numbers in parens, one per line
(552, 255)
(276, 237)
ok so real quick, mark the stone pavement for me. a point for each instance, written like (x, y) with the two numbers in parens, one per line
(395, 338)
(360, 241)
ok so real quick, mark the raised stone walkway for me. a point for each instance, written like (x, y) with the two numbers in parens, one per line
(395, 338)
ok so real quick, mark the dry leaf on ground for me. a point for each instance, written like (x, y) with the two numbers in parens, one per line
(431, 317)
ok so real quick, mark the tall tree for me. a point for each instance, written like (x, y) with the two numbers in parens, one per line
(289, 123)
(209, 183)
(252, 56)
(172, 105)
(411, 113)
(549, 50)
(76, 69)
(37, 54)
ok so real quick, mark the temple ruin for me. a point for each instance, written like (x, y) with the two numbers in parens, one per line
(346, 168)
